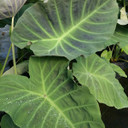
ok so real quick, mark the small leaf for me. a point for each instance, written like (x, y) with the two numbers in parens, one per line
(66, 27)
(49, 98)
(9, 8)
(7, 122)
(117, 69)
(107, 55)
(99, 77)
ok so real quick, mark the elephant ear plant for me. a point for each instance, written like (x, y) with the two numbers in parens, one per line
(58, 31)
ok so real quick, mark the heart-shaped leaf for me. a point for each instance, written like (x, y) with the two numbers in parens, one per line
(49, 98)
(99, 77)
(9, 8)
(67, 27)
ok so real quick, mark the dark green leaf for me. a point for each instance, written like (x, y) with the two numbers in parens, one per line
(5, 22)
(7, 122)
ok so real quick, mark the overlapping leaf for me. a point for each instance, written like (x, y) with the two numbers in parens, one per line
(49, 99)
(67, 27)
(21, 68)
(120, 36)
(9, 8)
(99, 77)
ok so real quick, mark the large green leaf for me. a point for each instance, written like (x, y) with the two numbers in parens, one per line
(9, 8)
(66, 27)
(49, 99)
(7, 122)
(99, 77)
(120, 36)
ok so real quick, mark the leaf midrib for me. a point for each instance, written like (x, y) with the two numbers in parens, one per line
(59, 110)
(77, 25)
(49, 100)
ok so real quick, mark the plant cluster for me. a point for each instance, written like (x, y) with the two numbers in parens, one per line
(70, 70)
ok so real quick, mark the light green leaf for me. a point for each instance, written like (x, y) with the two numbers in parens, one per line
(120, 36)
(21, 68)
(99, 77)
(49, 99)
(7, 122)
(124, 47)
(67, 27)
(9, 8)
(117, 69)
(107, 55)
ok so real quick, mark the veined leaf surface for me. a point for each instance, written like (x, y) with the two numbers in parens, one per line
(49, 99)
(67, 27)
(9, 8)
(99, 77)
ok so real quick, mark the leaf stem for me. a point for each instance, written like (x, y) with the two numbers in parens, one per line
(123, 60)
(1, 73)
(125, 6)
(109, 48)
(13, 47)
(113, 48)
